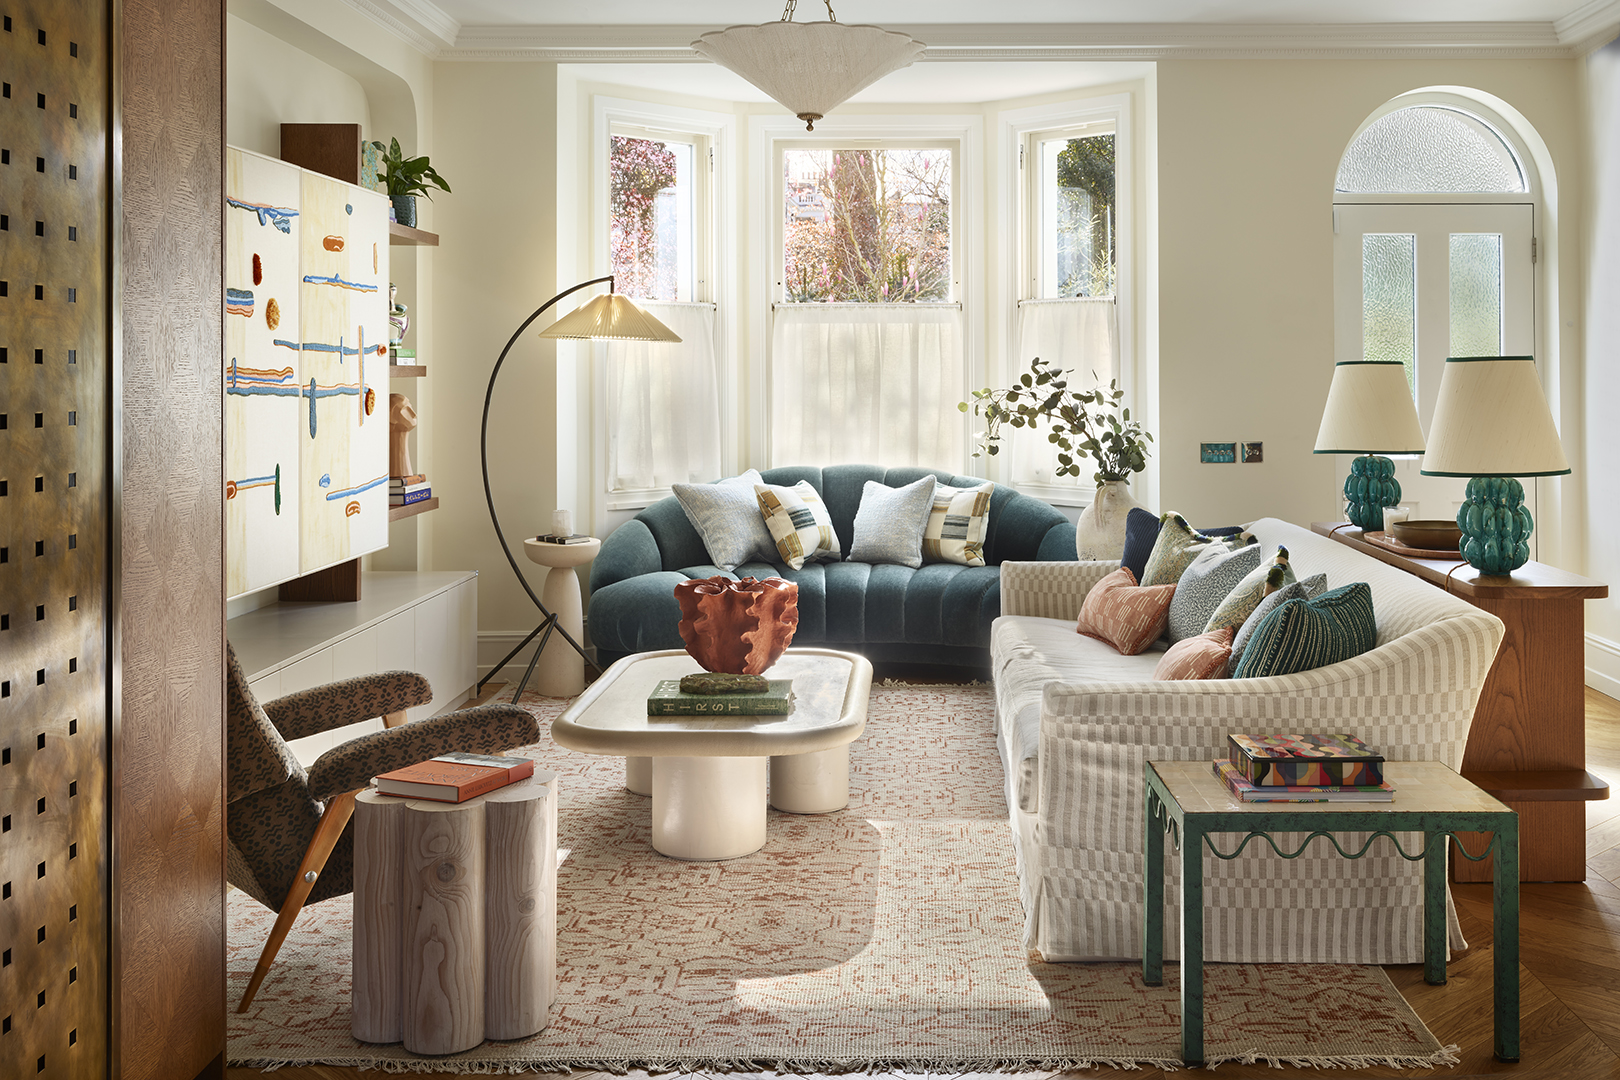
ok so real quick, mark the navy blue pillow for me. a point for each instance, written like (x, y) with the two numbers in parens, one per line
(1142, 530)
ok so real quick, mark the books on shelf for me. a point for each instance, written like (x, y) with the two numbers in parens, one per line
(1309, 760)
(1246, 791)
(571, 538)
(405, 490)
(454, 777)
(396, 355)
(667, 699)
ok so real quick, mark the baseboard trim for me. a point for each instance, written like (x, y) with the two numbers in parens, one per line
(1603, 665)
(494, 644)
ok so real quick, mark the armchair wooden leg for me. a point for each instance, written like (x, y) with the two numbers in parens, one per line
(338, 811)
(394, 719)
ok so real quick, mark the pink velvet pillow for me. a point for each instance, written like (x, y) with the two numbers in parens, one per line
(1127, 616)
(1201, 657)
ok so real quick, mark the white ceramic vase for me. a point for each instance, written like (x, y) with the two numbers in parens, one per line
(1100, 532)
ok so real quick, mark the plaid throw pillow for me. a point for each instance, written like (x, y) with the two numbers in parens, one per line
(798, 522)
(956, 525)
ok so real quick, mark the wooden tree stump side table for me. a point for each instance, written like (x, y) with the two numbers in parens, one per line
(1185, 799)
(455, 917)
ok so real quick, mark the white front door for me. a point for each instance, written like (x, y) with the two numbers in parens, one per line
(1418, 282)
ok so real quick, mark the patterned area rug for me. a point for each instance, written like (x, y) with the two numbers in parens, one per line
(885, 937)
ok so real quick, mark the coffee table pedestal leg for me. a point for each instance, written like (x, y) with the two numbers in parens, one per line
(708, 807)
(811, 783)
(638, 775)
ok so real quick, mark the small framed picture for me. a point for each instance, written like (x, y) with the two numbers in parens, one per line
(1217, 453)
(1253, 452)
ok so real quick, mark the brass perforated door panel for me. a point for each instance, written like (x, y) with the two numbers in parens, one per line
(55, 426)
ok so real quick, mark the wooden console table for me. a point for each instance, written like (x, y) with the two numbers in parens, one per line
(1527, 745)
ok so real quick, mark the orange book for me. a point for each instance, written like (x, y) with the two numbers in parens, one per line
(447, 781)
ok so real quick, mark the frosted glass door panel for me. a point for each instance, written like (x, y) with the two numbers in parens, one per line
(1428, 281)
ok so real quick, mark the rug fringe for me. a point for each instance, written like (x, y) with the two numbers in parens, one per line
(1446, 1055)
(456, 1063)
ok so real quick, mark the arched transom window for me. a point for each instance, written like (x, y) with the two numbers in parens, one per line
(1429, 149)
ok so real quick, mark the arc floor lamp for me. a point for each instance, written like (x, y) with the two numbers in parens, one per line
(609, 317)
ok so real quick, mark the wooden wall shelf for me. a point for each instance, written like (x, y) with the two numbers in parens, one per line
(405, 236)
(400, 513)
(407, 371)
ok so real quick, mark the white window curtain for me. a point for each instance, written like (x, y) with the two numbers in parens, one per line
(876, 383)
(1081, 336)
(663, 403)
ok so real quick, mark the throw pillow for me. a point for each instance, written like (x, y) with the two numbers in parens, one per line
(956, 525)
(1262, 581)
(1127, 616)
(726, 515)
(1201, 657)
(1211, 576)
(1142, 530)
(1305, 634)
(1311, 587)
(799, 523)
(890, 521)
(1177, 545)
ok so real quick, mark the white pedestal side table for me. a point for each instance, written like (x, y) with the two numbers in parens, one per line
(561, 672)
(455, 917)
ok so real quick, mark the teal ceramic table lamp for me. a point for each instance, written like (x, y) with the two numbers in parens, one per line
(1370, 412)
(1491, 424)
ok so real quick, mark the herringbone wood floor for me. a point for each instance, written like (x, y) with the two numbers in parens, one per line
(1569, 966)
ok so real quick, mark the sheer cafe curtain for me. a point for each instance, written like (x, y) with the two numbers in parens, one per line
(1082, 337)
(875, 383)
(664, 403)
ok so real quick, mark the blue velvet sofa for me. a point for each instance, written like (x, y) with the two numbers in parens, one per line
(939, 613)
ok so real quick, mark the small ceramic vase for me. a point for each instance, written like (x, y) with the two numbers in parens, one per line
(1100, 532)
(737, 627)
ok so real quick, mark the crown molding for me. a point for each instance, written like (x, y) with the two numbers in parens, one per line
(421, 24)
(1589, 27)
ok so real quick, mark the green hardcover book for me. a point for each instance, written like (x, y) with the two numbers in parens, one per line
(667, 700)
(402, 354)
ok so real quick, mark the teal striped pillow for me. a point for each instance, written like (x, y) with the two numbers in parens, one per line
(1304, 634)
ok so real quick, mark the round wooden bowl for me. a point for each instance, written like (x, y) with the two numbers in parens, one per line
(1428, 535)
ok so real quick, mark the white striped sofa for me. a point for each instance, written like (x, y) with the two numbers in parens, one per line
(1075, 721)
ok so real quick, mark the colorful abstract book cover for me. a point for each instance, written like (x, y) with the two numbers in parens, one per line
(1240, 786)
(1309, 760)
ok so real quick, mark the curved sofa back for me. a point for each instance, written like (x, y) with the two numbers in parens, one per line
(1020, 527)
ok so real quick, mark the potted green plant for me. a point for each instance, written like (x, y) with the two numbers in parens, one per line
(1089, 423)
(405, 178)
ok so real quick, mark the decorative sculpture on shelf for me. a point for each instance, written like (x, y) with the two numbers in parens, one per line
(401, 422)
(738, 627)
(398, 321)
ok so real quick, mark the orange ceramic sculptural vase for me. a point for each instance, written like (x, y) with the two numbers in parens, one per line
(737, 627)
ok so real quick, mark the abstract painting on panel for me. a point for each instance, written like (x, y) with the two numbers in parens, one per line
(261, 371)
(343, 434)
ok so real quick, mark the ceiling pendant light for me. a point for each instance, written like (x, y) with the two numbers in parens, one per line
(811, 68)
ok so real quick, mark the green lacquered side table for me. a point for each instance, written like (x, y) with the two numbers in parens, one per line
(1185, 799)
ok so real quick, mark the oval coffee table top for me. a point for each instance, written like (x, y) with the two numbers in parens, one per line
(830, 695)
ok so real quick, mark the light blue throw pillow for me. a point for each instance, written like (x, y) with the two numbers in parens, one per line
(890, 523)
(1301, 635)
(1206, 583)
(726, 515)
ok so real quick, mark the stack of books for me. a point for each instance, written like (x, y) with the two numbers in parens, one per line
(557, 538)
(404, 490)
(398, 355)
(455, 777)
(1303, 768)
(668, 699)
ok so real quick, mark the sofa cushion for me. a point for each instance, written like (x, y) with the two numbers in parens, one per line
(1301, 635)
(889, 525)
(1313, 586)
(1127, 616)
(1208, 580)
(956, 524)
(1177, 545)
(1142, 531)
(1260, 583)
(798, 523)
(726, 515)
(1200, 657)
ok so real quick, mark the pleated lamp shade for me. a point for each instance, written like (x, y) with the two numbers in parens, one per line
(809, 67)
(612, 316)
(1491, 419)
(1369, 411)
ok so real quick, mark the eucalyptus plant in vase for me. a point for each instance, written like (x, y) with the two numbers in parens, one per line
(405, 178)
(1087, 423)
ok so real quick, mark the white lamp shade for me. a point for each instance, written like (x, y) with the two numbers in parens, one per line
(1491, 419)
(1369, 411)
(613, 316)
(811, 67)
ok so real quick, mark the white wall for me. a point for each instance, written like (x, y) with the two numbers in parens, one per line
(270, 83)
(1596, 481)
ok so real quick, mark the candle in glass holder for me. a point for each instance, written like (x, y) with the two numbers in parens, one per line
(562, 523)
(1392, 514)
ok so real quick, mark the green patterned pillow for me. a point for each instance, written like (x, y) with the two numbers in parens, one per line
(1305, 634)
(1261, 582)
(799, 523)
(1178, 545)
(956, 525)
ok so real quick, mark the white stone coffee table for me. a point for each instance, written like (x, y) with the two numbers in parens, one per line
(707, 774)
